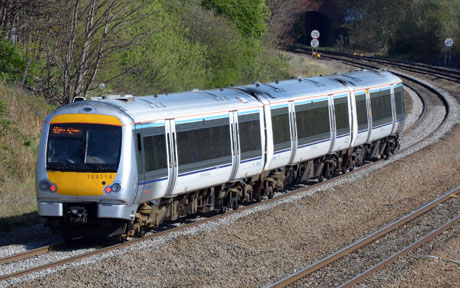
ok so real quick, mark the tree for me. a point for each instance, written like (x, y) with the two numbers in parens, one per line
(79, 37)
(250, 16)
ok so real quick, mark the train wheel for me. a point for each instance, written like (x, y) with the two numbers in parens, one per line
(270, 192)
(122, 238)
(328, 170)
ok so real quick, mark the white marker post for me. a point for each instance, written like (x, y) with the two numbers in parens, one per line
(314, 43)
(449, 42)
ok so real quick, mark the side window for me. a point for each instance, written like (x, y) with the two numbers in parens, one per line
(399, 101)
(203, 144)
(381, 107)
(313, 122)
(341, 116)
(155, 153)
(281, 128)
(361, 111)
(249, 132)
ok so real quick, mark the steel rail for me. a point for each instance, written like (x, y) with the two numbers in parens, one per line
(432, 70)
(364, 241)
(428, 237)
(420, 67)
(31, 253)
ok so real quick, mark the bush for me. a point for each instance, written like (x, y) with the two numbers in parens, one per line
(12, 65)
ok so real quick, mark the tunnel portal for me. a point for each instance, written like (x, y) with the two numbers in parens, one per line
(313, 20)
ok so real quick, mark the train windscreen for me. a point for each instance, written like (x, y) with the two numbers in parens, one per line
(83, 147)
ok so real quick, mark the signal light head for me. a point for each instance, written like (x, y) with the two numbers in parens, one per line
(108, 189)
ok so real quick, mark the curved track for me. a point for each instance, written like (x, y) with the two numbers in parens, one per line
(350, 253)
(304, 272)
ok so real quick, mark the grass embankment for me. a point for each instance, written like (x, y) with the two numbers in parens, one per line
(308, 66)
(21, 119)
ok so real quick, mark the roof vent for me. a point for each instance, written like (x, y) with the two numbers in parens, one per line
(157, 105)
(215, 97)
(78, 98)
(87, 109)
(242, 99)
(124, 98)
(195, 90)
(352, 77)
(316, 83)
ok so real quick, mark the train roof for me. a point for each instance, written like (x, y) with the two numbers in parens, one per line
(197, 103)
(320, 86)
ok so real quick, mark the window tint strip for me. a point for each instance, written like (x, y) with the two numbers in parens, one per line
(313, 122)
(203, 144)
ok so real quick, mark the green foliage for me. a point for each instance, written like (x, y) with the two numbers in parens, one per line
(11, 63)
(225, 50)
(419, 31)
(413, 29)
(191, 47)
(250, 16)
(165, 61)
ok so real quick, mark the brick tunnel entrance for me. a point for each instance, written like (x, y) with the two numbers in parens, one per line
(313, 20)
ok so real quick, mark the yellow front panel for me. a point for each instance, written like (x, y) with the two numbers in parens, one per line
(80, 183)
(86, 118)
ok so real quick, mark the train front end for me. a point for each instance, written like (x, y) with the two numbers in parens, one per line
(86, 177)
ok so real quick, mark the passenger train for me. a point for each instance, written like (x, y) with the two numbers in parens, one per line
(120, 165)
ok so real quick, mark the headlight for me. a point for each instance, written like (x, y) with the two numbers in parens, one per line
(115, 187)
(46, 185)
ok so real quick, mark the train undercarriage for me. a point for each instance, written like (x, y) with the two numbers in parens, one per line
(221, 198)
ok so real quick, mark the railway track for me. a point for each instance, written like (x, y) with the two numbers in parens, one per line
(31, 253)
(334, 262)
(371, 238)
(284, 197)
(440, 72)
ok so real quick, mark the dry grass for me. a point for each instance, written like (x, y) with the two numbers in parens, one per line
(21, 118)
(307, 66)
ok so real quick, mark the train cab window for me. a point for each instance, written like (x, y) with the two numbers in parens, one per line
(281, 128)
(399, 101)
(361, 112)
(313, 122)
(203, 144)
(83, 147)
(341, 116)
(249, 132)
(155, 153)
(381, 107)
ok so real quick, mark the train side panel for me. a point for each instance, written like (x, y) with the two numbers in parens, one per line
(314, 128)
(204, 152)
(382, 113)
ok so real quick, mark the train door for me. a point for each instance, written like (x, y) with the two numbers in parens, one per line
(332, 121)
(292, 120)
(152, 160)
(140, 163)
(369, 114)
(235, 142)
(171, 144)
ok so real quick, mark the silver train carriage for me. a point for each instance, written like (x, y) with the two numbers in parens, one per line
(118, 165)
